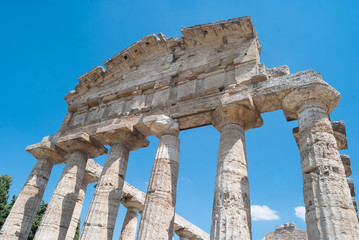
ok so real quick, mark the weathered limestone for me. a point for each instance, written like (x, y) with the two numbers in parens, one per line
(18, 223)
(101, 218)
(158, 86)
(329, 209)
(129, 226)
(287, 231)
(157, 218)
(347, 166)
(181, 225)
(231, 217)
(57, 218)
(93, 170)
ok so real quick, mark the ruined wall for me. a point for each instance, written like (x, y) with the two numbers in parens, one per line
(287, 231)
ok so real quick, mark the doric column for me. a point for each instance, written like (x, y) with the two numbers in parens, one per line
(231, 217)
(18, 223)
(329, 209)
(57, 218)
(101, 217)
(91, 176)
(158, 214)
(129, 226)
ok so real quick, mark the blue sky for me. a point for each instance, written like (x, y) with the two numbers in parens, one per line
(46, 45)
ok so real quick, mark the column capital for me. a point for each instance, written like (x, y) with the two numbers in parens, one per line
(47, 150)
(121, 132)
(131, 202)
(238, 114)
(159, 125)
(319, 95)
(184, 233)
(81, 142)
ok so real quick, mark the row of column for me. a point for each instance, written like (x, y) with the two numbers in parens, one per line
(330, 212)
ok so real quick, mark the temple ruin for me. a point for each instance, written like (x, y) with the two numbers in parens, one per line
(212, 75)
(287, 231)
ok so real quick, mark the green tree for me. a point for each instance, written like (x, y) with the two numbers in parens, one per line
(77, 234)
(5, 183)
(5, 207)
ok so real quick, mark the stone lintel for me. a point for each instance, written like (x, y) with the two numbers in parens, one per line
(48, 150)
(158, 125)
(347, 165)
(340, 134)
(321, 95)
(81, 142)
(351, 186)
(183, 226)
(239, 114)
(266, 97)
(121, 132)
(93, 171)
(133, 197)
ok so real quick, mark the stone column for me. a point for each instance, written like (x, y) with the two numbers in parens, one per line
(92, 172)
(129, 226)
(58, 215)
(329, 210)
(18, 223)
(101, 217)
(157, 218)
(231, 217)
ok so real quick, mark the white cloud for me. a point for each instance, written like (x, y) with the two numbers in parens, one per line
(263, 213)
(146, 183)
(300, 212)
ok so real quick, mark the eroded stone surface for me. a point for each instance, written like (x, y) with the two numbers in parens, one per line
(92, 173)
(129, 227)
(102, 214)
(160, 85)
(287, 231)
(329, 209)
(231, 217)
(157, 220)
(58, 215)
(18, 223)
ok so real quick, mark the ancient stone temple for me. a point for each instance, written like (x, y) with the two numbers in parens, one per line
(158, 86)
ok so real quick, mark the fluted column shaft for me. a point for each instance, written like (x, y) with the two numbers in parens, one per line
(57, 217)
(129, 226)
(18, 223)
(77, 212)
(101, 218)
(329, 209)
(158, 214)
(231, 217)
